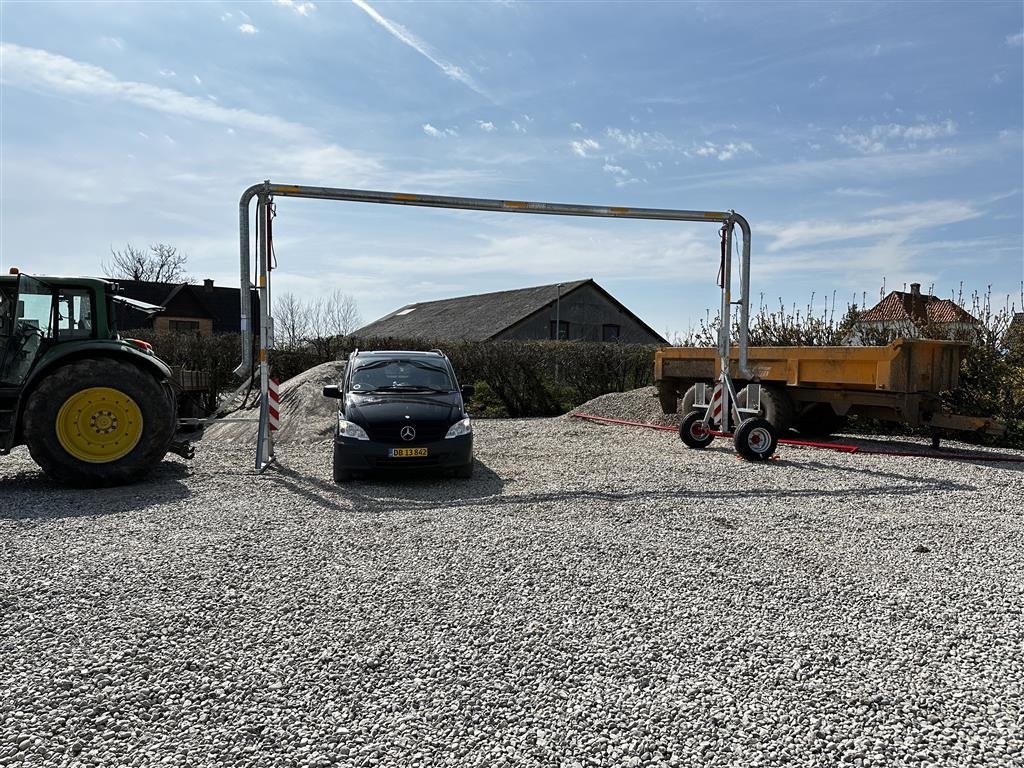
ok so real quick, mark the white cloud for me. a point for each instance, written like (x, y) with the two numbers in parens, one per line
(143, 134)
(640, 141)
(817, 82)
(35, 68)
(227, 16)
(113, 42)
(486, 126)
(890, 222)
(857, 192)
(438, 133)
(723, 152)
(576, 126)
(878, 138)
(518, 127)
(401, 33)
(301, 8)
(585, 147)
(1017, 39)
(247, 29)
(616, 170)
(168, 73)
(197, 79)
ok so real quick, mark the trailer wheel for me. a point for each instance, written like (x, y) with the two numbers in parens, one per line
(99, 422)
(776, 406)
(668, 397)
(693, 432)
(756, 439)
(819, 421)
(689, 398)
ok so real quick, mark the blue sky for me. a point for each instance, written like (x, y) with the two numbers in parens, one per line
(863, 141)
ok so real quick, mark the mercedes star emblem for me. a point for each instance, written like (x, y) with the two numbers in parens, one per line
(408, 433)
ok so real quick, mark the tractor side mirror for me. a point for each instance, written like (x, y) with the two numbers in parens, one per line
(332, 390)
(467, 391)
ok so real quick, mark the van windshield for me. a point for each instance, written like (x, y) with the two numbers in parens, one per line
(400, 375)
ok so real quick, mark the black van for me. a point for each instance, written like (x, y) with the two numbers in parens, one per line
(401, 410)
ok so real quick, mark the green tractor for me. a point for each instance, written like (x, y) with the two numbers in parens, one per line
(93, 408)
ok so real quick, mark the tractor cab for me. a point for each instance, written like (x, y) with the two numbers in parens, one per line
(35, 315)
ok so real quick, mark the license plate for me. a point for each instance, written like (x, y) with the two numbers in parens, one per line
(405, 453)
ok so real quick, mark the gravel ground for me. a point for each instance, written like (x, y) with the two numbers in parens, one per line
(595, 596)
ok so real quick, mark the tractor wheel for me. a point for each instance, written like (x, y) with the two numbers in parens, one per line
(99, 422)
(339, 473)
(776, 406)
(819, 421)
(692, 431)
(756, 439)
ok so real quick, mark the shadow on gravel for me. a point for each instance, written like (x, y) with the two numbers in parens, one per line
(31, 495)
(418, 490)
(980, 456)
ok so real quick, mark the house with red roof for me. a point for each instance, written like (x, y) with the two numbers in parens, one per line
(913, 315)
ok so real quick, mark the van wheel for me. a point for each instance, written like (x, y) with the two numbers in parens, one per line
(340, 473)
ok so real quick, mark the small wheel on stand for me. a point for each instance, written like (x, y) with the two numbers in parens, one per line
(756, 439)
(693, 432)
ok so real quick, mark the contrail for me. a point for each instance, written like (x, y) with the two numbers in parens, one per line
(397, 30)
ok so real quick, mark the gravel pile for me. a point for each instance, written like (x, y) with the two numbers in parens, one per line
(594, 596)
(640, 405)
(306, 415)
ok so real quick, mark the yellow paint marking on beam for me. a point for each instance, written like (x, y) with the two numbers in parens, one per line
(714, 215)
(514, 204)
(619, 210)
(281, 188)
(263, 281)
(263, 355)
(404, 196)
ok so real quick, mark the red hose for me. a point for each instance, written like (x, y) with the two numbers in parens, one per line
(815, 444)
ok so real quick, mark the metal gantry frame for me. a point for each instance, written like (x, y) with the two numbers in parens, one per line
(266, 192)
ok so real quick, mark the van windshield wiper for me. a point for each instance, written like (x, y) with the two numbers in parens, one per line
(408, 387)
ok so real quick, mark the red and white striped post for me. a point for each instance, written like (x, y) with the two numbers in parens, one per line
(273, 405)
(716, 406)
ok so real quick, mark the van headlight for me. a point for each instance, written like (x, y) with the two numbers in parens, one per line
(460, 428)
(351, 429)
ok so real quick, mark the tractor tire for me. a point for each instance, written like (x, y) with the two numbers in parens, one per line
(756, 439)
(99, 422)
(776, 406)
(820, 420)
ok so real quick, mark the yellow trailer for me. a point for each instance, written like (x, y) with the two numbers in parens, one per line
(813, 389)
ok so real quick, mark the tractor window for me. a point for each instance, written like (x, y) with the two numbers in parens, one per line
(35, 311)
(74, 313)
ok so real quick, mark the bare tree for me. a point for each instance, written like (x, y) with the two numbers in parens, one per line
(161, 263)
(291, 320)
(342, 313)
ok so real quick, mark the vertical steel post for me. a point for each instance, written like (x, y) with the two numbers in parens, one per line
(723, 327)
(264, 444)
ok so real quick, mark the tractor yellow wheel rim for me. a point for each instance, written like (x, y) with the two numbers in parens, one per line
(99, 425)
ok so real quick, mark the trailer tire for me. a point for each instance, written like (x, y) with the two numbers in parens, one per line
(692, 431)
(756, 439)
(820, 420)
(689, 399)
(668, 395)
(99, 422)
(776, 406)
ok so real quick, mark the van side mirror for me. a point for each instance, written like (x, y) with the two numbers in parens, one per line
(467, 391)
(332, 390)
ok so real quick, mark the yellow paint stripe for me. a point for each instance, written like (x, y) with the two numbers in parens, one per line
(404, 196)
(263, 355)
(285, 188)
(714, 215)
(263, 281)
(619, 210)
(514, 204)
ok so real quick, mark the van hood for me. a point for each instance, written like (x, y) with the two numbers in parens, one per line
(366, 410)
